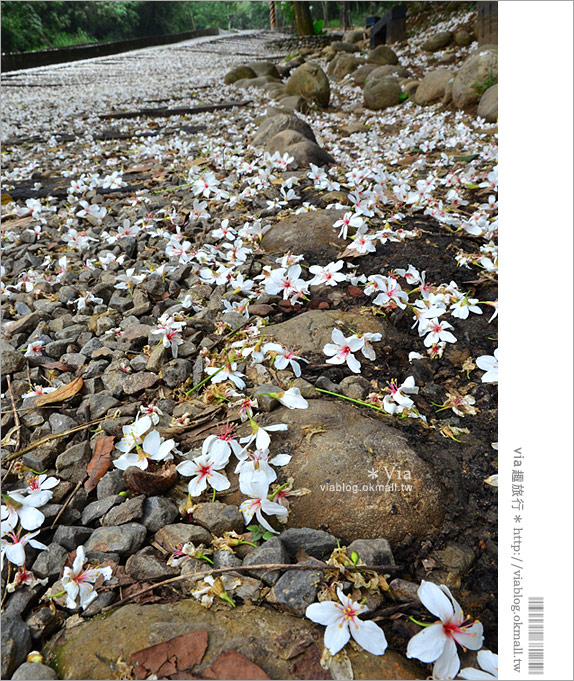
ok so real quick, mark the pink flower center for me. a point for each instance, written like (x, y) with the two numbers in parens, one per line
(204, 471)
(32, 483)
(349, 613)
(229, 431)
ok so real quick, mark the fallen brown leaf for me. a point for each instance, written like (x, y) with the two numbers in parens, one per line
(100, 461)
(170, 657)
(63, 393)
(18, 222)
(47, 363)
(234, 665)
(150, 482)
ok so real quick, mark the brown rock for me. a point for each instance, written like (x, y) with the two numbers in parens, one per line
(480, 68)
(311, 330)
(239, 73)
(26, 323)
(310, 82)
(433, 85)
(334, 464)
(303, 151)
(272, 125)
(438, 41)
(259, 634)
(343, 65)
(311, 234)
(142, 380)
(382, 55)
(360, 75)
(264, 68)
(381, 91)
(488, 105)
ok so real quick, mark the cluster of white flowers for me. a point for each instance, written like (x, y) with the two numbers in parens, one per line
(254, 465)
(435, 643)
(21, 522)
(141, 443)
(341, 350)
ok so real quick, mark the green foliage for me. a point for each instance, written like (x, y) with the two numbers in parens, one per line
(404, 96)
(259, 532)
(481, 88)
(36, 25)
(318, 26)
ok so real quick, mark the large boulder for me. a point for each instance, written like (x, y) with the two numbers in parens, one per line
(343, 64)
(310, 82)
(311, 234)
(393, 70)
(432, 86)
(264, 68)
(310, 331)
(303, 151)
(282, 645)
(272, 125)
(259, 82)
(354, 36)
(479, 69)
(362, 73)
(342, 46)
(463, 38)
(292, 102)
(239, 73)
(401, 498)
(438, 41)
(488, 105)
(382, 54)
(381, 91)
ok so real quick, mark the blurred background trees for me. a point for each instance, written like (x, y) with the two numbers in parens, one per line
(35, 25)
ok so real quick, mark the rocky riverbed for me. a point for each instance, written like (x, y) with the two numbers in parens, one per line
(249, 319)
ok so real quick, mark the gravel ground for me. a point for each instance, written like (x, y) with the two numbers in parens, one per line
(48, 99)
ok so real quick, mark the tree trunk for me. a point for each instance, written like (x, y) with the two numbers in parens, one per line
(345, 16)
(303, 21)
(325, 6)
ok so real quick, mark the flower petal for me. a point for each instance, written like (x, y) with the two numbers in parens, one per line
(428, 644)
(218, 481)
(436, 601)
(71, 589)
(448, 664)
(15, 553)
(336, 636)
(486, 659)
(353, 364)
(470, 637)
(325, 613)
(187, 468)
(196, 485)
(151, 442)
(87, 594)
(369, 636)
(30, 518)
